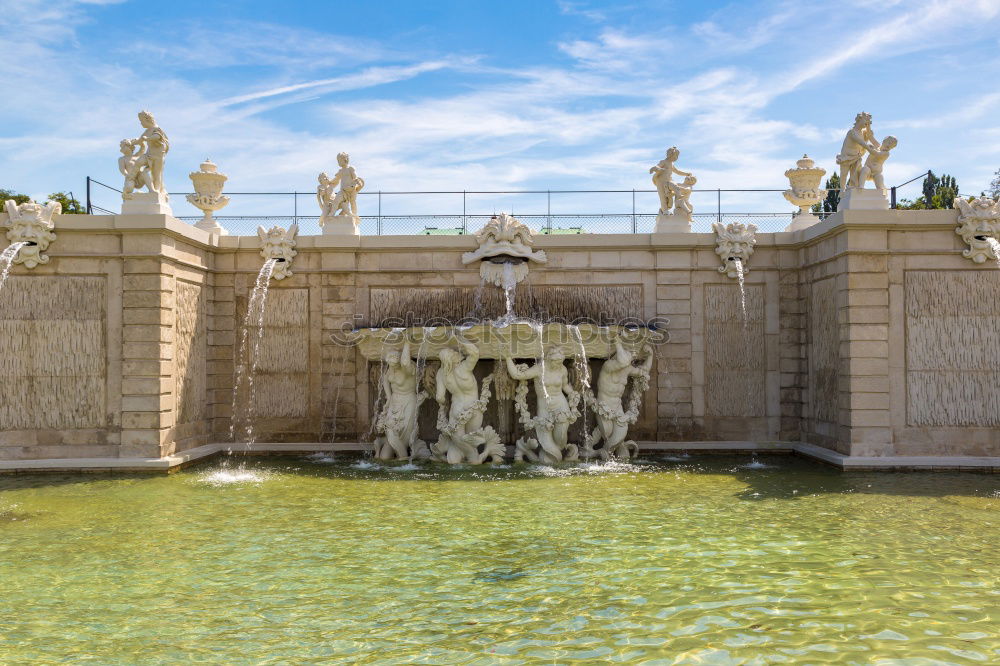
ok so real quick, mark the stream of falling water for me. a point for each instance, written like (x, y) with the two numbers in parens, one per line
(994, 245)
(246, 362)
(419, 378)
(743, 294)
(583, 370)
(509, 284)
(7, 258)
(339, 378)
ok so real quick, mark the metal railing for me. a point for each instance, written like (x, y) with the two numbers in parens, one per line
(616, 211)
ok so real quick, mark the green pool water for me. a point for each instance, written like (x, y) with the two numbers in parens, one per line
(691, 560)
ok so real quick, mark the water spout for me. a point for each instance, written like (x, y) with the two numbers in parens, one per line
(7, 258)
(994, 245)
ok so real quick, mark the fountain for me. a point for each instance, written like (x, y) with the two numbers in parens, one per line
(522, 356)
(277, 248)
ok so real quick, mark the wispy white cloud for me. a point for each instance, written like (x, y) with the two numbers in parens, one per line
(596, 117)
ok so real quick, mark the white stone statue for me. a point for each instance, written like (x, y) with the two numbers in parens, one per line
(462, 437)
(396, 424)
(339, 211)
(607, 440)
(663, 176)
(805, 179)
(278, 243)
(675, 198)
(979, 221)
(208, 196)
(31, 223)
(872, 170)
(142, 164)
(734, 241)
(556, 403)
(504, 236)
(859, 140)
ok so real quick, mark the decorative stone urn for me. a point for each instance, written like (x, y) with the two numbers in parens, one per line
(208, 196)
(734, 242)
(978, 225)
(31, 223)
(278, 243)
(805, 179)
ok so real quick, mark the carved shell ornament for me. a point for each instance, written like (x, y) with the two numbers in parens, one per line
(978, 221)
(504, 240)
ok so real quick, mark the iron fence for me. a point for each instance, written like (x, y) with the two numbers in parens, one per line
(460, 212)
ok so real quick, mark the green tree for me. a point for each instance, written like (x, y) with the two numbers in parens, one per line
(994, 190)
(70, 204)
(11, 194)
(832, 200)
(938, 193)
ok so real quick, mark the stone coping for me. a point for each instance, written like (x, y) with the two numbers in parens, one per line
(183, 459)
(880, 219)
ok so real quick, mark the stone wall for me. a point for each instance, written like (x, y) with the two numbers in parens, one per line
(867, 334)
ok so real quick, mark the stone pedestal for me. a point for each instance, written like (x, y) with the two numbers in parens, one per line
(211, 225)
(858, 199)
(802, 221)
(146, 203)
(340, 225)
(670, 223)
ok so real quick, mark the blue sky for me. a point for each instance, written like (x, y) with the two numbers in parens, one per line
(486, 95)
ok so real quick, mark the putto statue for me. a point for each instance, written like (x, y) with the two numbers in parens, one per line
(663, 177)
(556, 408)
(979, 224)
(141, 164)
(855, 170)
(31, 223)
(675, 198)
(859, 140)
(607, 440)
(734, 241)
(339, 209)
(278, 243)
(507, 240)
(463, 439)
(396, 424)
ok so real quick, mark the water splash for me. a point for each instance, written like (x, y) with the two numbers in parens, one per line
(7, 258)
(994, 245)
(743, 294)
(249, 353)
(226, 476)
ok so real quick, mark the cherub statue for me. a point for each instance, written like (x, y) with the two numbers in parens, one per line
(859, 140)
(663, 174)
(555, 406)
(397, 423)
(132, 165)
(682, 197)
(346, 201)
(607, 440)
(324, 197)
(462, 435)
(872, 170)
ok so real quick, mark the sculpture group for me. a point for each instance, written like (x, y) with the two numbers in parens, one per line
(463, 400)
